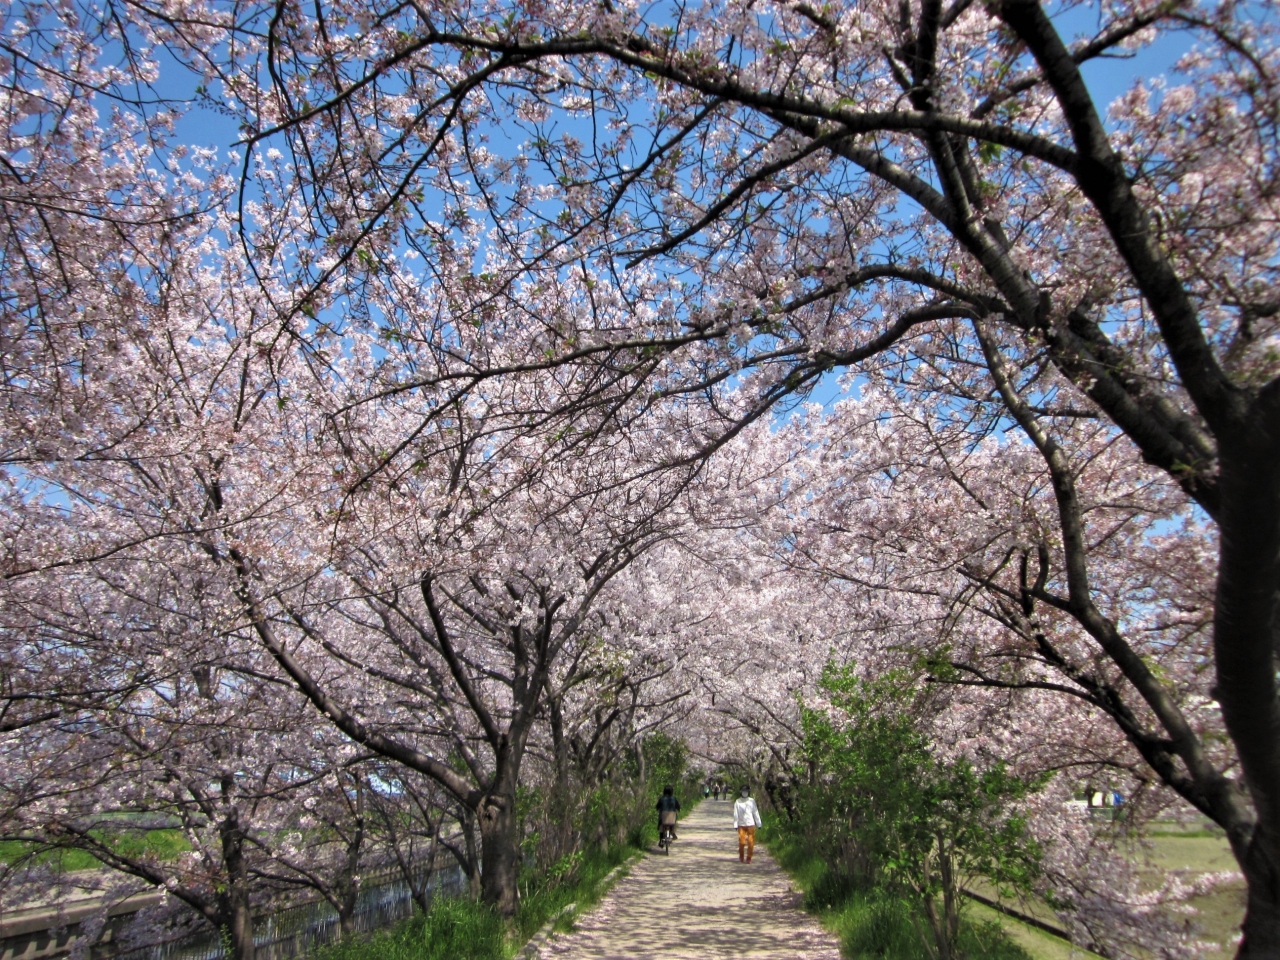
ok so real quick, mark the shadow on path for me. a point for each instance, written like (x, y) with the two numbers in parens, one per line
(699, 903)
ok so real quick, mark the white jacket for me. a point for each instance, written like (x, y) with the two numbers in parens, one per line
(746, 813)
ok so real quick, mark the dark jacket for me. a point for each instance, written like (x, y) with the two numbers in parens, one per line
(666, 803)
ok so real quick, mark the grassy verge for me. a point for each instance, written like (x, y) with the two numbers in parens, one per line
(1188, 854)
(1036, 943)
(872, 923)
(453, 929)
(1167, 850)
(462, 929)
(164, 844)
(582, 885)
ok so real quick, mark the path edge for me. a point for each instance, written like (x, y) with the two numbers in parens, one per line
(533, 949)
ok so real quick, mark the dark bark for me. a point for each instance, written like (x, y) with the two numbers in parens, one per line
(236, 918)
(239, 926)
(1247, 430)
(469, 856)
(1101, 175)
(560, 824)
(1246, 639)
(348, 887)
(499, 853)
(1261, 927)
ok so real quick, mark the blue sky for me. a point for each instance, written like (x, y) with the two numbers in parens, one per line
(1108, 78)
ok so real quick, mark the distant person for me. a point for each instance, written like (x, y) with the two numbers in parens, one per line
(715, 790)
(706, 791)
(668, 812)
(746, 817)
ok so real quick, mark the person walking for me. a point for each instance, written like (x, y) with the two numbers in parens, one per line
(746, 817)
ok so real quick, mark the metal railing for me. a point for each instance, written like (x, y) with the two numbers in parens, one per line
(298, 930)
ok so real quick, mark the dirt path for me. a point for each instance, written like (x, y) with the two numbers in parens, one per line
(699, 903)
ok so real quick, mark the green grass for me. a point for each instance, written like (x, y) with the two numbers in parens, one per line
(462, 929)
(453, 929)
(1174, 828)
(11, 851)
(1189, 853)
(580, 883)
(1170, 849)
(872, 923)
(163, 844)
(1037, 944)
(1192, 834)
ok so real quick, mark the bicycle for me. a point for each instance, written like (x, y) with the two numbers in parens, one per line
(664, 840)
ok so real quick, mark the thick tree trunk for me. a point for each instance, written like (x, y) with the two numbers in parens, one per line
(347, 911)
(237, 920)
(1261, 929)
(500, 852)
(1246, 640)
(560, 825)
(239, 929)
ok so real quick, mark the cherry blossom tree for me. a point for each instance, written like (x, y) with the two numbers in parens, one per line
(196, 742)
(480, 627)
(824, 184)
(483, 223)
(931, 539)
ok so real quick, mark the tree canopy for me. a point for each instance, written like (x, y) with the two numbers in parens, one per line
(456, 424)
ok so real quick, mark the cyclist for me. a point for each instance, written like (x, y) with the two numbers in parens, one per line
(668, 809)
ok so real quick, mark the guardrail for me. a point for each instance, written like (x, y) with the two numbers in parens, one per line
(1022, 916)
(283, 934)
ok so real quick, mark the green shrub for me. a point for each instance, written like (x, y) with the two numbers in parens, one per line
(873, 922)
(463, 929)
(544, 896)
(892, 815)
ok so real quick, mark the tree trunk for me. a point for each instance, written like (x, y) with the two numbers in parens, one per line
(1246, 639)
(937, 924)
(470, 860)
(1261, 928)
(561, 806)
(239, 928)
(349, 883)
(420, 882)
(499, 853)
(950, 895)
(237, 920)
(347, 911)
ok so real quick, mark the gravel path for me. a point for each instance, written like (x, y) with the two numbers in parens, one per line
(699, 903)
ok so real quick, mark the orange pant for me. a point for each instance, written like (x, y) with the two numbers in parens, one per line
(747, 842)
